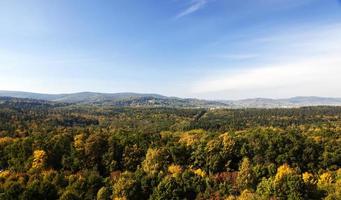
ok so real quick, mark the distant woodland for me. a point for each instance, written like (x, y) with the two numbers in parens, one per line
(83, 152)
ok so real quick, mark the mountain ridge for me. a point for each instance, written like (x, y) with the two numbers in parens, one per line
(150, 99)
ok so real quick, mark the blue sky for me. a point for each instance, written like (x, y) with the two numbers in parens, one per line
(212, 49)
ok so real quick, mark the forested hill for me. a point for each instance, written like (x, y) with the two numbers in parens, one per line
(156, 100)
(119, 100)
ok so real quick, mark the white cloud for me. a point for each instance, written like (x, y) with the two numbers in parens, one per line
(195, 6)
(298, 63)
(291, 75)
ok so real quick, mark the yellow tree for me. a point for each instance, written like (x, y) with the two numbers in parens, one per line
(79, 142)
(308, 178)
(325, 182)
(288, 184)
(39, 159)
(174, 169)
(282, 172)
(153, 162)
(192, 137)
(126, 187)
(248, 195)
(245, 179)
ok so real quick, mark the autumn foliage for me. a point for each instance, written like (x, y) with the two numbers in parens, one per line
(62, 151)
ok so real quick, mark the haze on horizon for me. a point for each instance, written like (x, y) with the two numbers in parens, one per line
(211, 49)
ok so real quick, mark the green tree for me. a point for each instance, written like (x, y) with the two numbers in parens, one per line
(179, 186)
(95, 144)
(127, 187)
(288, 184)
(246, 178)
(12, 190)
(103, 194)
(132, 157)
(155, 161)
(69, 195)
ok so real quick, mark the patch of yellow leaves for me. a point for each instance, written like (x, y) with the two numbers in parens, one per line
(283, 171)
(174, 169)
(6, 140)
(199, 172)
(39, 159)
(5, 174)
(79, 142)
(308, 178)
(325, 178)
(192, 137)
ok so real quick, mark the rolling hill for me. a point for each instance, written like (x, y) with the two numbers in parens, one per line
(156, 100)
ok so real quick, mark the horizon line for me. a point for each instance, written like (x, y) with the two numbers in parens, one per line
(148, 93)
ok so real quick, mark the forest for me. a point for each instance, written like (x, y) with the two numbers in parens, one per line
(73, 152)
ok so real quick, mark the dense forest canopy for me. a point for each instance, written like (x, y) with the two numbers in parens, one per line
(68, 151)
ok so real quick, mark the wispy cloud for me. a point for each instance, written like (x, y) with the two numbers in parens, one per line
(194, 6)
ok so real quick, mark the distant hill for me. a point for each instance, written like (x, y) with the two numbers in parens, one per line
(284, 103)
(314, 101)
(117, 99)
(81, 97)
(156, 100)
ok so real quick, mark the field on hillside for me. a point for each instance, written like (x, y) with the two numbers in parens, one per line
(68, 151)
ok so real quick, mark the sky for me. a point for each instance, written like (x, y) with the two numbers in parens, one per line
(209, 49)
